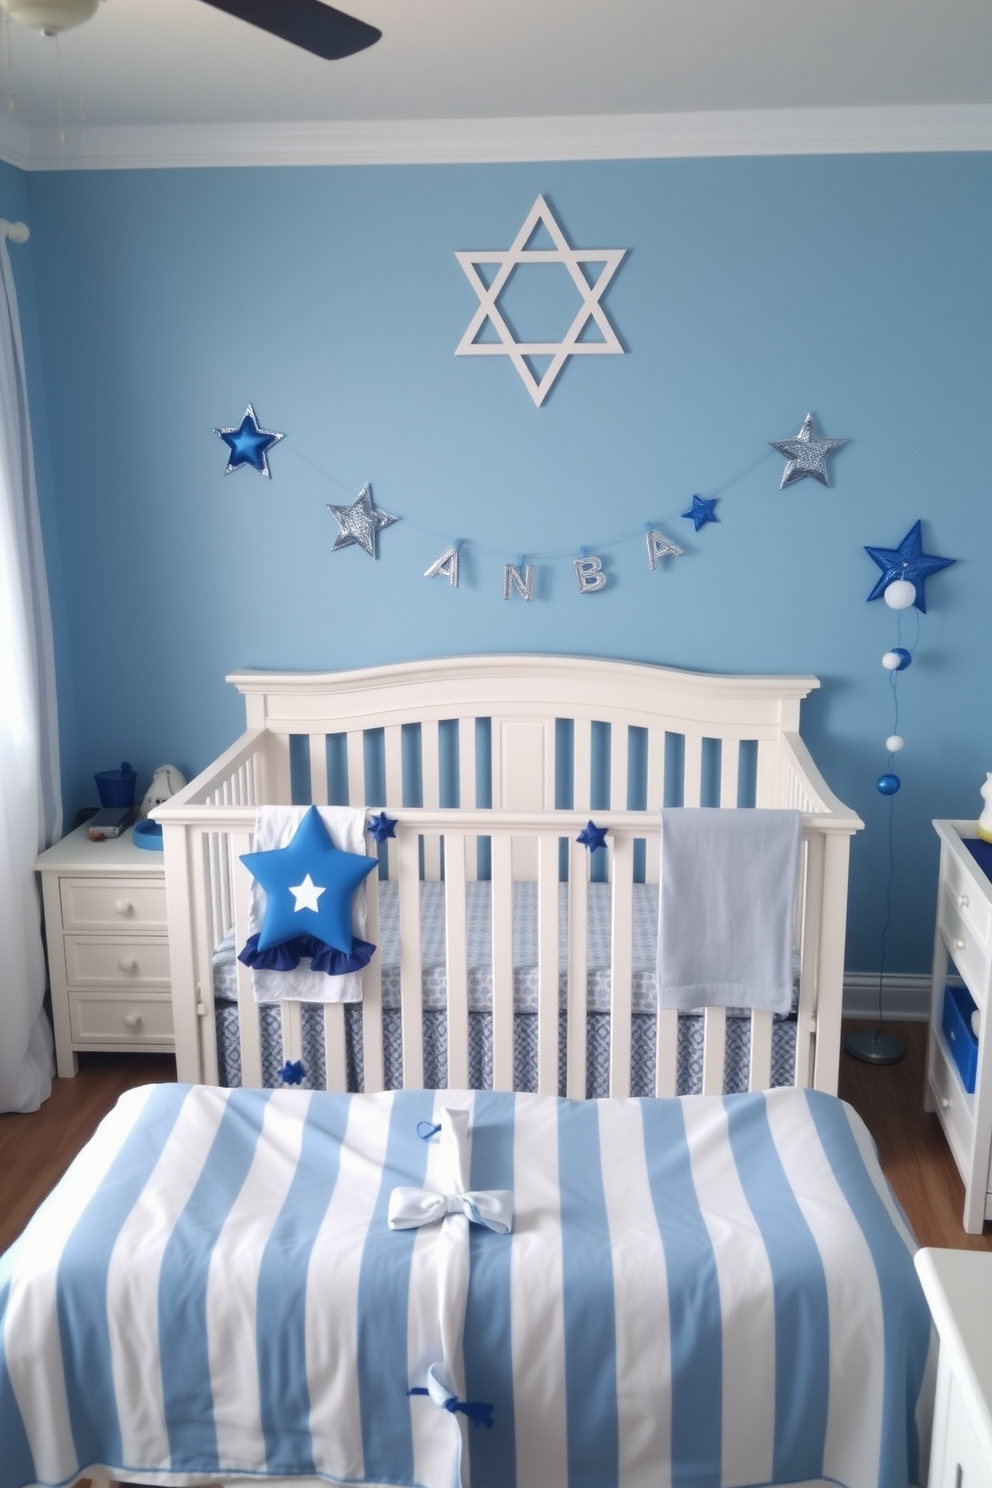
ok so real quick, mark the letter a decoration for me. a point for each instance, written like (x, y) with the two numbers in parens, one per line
(590, 311)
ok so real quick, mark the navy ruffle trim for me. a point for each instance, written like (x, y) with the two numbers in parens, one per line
(322, 957)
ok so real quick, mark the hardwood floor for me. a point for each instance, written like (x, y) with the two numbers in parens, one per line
(914, 1154)
(35, 1150)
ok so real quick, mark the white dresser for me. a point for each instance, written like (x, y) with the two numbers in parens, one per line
(958, 1287)
(108, 948)
(963, 935)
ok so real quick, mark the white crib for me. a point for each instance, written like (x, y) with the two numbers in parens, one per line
(523, 750)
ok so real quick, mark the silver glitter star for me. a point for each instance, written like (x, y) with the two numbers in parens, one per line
(359, 522)
(806, 454)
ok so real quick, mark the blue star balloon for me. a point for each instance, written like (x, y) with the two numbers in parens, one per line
(592, 837)
(908, 561)
(702, 511)
(249, 445)
(308, 886)
(382, 826)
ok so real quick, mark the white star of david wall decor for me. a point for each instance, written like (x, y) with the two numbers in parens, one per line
(590, 308)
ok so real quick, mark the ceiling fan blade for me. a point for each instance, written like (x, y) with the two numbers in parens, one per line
(308, 23)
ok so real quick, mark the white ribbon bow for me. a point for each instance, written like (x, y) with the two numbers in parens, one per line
(409, 1208)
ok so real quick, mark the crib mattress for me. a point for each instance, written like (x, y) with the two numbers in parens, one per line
(479, 944)
(708, 1291)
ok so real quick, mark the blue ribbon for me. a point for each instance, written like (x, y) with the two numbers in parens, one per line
(479, 1412)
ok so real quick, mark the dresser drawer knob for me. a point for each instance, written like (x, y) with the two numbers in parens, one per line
(122, 906)
(959, 944)
(963, 901)
(132, 1020)
(127, 963)
(945, 1103)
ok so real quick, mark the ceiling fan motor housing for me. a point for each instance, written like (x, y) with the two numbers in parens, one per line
(50, 16)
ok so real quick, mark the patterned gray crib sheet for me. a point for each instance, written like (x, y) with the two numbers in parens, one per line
(479, 938)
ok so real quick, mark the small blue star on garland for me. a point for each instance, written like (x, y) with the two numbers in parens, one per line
(908, 562)
(592, 836)
(292, 1072)
(702, 511)
(382, 826)
(249, 445)
(308, 887)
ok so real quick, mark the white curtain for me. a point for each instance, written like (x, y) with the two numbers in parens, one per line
(30, 806)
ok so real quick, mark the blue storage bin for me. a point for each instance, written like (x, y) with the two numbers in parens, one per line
(958, 1033)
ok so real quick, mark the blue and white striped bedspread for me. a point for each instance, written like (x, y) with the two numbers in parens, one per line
(707, 1292)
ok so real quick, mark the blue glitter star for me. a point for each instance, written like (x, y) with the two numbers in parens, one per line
(308, 887)
(592, 836)
(249, 445)
(701, 511)
(382, 826)
(907, 561)
(292, 1072)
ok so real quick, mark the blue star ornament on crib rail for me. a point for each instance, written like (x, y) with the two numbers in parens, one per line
(308, 886)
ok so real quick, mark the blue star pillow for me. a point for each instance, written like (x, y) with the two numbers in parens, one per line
(309, 886)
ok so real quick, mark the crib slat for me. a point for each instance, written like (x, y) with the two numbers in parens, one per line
(248, 1024)
(618, 766)
(582, 764)
(692, 780)
(547, 965)
(430, 757)
(467, 788)
(356, 767)
(393, 752)
(760, 1065)
(811, 872)
(578, 972)
(372, 1058)
(292, 1031)
(411, 965)
(334, 1046)
(666, 1052)
(655, 797)
(209, 930)
(714, 1049)
(622, 965)
(456, 951)
(502, 905)
(318, 769)
(729, 766)
(768, 784)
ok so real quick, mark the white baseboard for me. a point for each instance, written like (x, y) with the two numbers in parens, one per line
(905, 998)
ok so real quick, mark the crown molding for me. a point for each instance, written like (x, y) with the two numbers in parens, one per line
(813, 131)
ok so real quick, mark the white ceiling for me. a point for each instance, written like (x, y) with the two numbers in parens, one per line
(181, 62)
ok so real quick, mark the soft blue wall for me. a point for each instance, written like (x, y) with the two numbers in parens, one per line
(752, 290)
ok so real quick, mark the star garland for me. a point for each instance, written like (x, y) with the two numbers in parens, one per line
(360, 521)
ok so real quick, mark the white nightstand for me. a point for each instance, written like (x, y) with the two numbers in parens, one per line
(963, 935)
(108, 948)
(958, 1287)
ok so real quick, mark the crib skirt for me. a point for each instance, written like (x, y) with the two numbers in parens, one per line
(690, 1050)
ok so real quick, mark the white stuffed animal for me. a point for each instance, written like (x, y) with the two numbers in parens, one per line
(165, 782)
